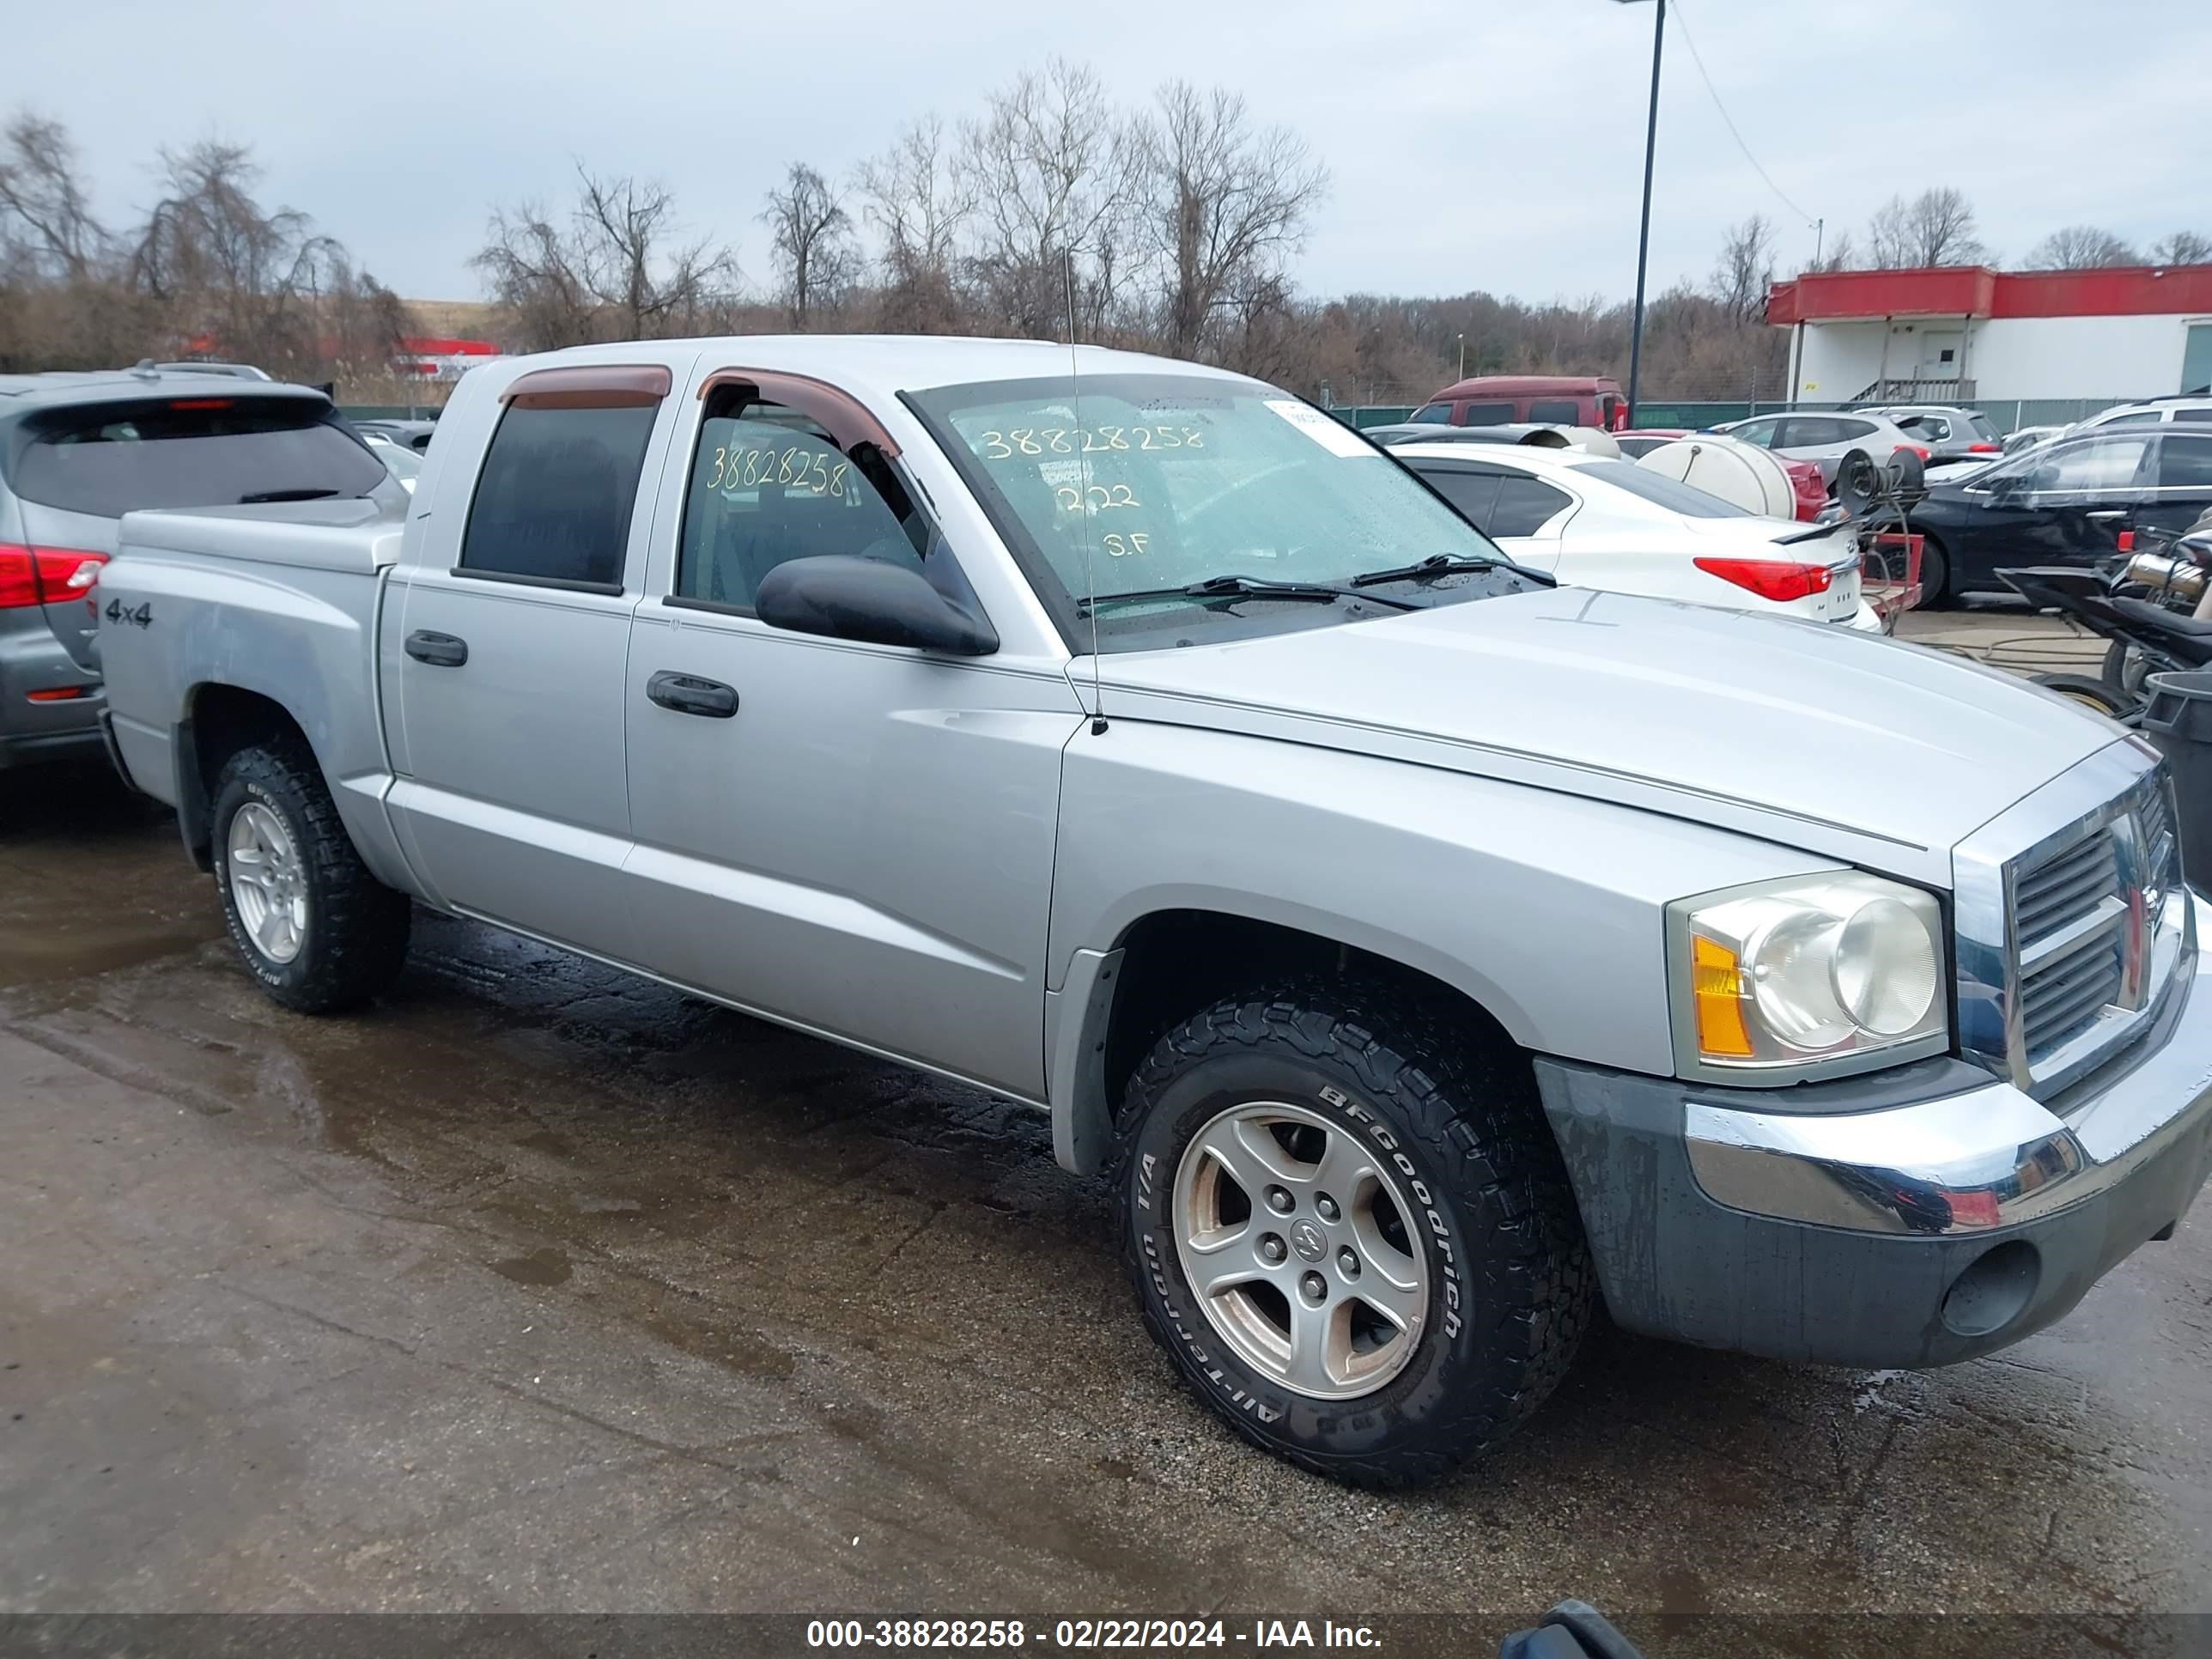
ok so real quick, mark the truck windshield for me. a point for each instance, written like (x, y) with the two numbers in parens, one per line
(1144, 484)
(112, 459)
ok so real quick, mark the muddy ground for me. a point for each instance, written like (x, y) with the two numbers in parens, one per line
(540, 1289)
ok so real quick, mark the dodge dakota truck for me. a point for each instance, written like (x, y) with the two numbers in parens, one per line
(1422, 949)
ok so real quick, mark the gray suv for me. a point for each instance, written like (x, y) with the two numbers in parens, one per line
(79, 451)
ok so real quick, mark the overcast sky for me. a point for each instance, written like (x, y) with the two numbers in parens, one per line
(1474, 143)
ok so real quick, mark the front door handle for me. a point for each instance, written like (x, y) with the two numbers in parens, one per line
(687, 694)
(2107, 513)
(439, 650)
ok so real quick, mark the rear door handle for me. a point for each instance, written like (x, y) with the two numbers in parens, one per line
(2107, 513)
(439, 650)
(687, 694)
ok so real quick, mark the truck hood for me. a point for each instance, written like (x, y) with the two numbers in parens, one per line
(1818, 737)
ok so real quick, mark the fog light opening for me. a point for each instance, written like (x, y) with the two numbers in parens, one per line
(1991, 1294)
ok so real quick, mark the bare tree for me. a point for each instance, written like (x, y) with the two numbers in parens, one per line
(1839, 255)
(2183, 247)
(812, 236)
(1048, 166)
(915, 199)
(1745, 270)
(44, 217)
(2081, 247)
(1935, 227)
(1220, 206)
(614, 271)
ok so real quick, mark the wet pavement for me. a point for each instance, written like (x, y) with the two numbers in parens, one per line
(540, 1288)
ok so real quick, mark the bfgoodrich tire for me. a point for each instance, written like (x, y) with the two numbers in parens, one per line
(313, 926)
(1414, 1280)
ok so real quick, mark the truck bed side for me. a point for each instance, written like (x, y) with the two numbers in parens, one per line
(224, 616)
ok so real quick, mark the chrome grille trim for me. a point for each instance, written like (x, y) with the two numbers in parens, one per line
(2069, 922)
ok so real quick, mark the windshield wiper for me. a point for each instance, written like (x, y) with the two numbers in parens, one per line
(1247, 587)
(1448, 564)
(286, 496)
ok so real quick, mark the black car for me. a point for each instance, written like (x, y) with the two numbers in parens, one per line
(2065, 502)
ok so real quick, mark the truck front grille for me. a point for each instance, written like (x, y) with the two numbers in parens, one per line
(2066, 943)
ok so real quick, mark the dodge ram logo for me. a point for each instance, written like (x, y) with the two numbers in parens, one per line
(1306, 1240)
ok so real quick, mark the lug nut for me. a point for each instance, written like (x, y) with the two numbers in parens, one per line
(1313, 1287)
(1271, 1248)
(1348, 1259)
(1279, 1200)
(1327, 1206)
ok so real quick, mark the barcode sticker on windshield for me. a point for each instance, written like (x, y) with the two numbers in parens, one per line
(1326, 430)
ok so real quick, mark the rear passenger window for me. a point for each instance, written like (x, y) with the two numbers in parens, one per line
(2185, 463)
(1474, 494)
(1488, 415)
(553, 502)
(1525, 506)
(768, 484)
(1555, 411)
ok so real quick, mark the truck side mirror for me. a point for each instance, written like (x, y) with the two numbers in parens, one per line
(884, 603)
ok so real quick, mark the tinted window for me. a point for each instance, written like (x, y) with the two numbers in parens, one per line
(1432, 415)
(2192, 413)
(1982, 428)
(1487, 415)
(2185, 463)
(1474, 494)
(1848, 431)
(2105, 464)
(1661, 490)
(2139, 417)
(112, 458)
(554, 502)
(1525, 505)
(767, 485)
(1556, 411)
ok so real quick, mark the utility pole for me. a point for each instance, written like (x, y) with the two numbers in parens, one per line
(1643, 237)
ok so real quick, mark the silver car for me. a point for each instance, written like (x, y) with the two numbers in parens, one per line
(1421, 950)
(1953, 433)
(1826, 439)
(79, 451)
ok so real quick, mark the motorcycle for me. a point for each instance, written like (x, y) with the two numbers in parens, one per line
(2175, 572)
(2147, 637)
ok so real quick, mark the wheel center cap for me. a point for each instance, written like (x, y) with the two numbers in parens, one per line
(1306, 1240)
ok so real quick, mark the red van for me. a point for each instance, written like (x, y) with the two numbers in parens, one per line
(1545, 399)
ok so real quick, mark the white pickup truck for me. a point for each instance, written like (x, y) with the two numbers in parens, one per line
(1425, 950)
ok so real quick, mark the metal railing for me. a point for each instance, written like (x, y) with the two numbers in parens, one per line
(1915, 389)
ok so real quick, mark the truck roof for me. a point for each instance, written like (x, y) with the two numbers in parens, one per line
(885, 363)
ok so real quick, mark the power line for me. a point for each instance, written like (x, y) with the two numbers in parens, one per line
(1683, 23)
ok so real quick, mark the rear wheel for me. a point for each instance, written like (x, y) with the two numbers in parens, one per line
(318, 931)
(1352, 1234)
(1935, 591)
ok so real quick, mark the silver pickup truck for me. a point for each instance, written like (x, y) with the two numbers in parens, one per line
(1424, 949)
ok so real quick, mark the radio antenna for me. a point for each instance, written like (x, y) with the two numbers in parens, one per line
(1090, 581)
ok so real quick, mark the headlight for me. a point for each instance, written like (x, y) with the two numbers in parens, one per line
(1810, 977)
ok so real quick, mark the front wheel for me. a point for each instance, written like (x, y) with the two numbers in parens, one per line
(314, 927)
(1353, 1235)
(2091, 692)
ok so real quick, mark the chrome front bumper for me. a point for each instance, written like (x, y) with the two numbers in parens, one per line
(1986, 1158)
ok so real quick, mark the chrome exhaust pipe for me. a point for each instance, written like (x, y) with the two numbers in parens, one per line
(2182, 578)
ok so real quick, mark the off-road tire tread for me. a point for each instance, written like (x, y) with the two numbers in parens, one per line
(362, 924)
(1476, 1111)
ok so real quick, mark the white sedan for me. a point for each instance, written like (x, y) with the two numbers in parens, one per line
(1596, 522)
